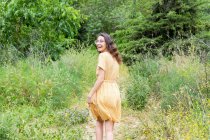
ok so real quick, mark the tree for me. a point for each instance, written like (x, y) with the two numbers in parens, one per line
(156, 32)
(41, 26)
(102, 16)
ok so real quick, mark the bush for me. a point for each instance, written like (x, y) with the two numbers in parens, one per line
(73, 117)
(182, 79)
(179, 124)
(35, 96)
(44, 27)
(109, 15)
(27, 122)
(36, 83)
(138, 89)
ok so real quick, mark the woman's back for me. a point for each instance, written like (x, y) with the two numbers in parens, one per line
(110, 65)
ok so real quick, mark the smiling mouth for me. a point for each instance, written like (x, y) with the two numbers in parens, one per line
(98, 47)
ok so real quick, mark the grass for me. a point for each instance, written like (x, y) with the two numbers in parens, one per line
(155, 123)
(37, 98)
(26, 122)
(181, 79)
(177, 104)
(47, 100)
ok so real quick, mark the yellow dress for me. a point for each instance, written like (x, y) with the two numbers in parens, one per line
(106, 102)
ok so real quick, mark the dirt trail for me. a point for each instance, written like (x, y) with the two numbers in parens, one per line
(129, 121)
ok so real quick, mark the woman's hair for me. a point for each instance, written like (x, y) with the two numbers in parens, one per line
(111, 47)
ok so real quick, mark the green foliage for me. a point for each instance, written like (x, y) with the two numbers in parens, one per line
(102, 16)
(36, 92)
(27, 122)
(9, 54)
(182, 79)
(45, 27)
(74, 117)
(155, 32)
(37, 83)
(139, 89)
(137, 93)
(185, 77)
(180, 124)
(35, 96)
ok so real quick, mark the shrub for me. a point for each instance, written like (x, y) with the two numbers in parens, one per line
(35, 96)
(36, 83)
(138, 89)
(44, 27)
(181, 79)
(28, 122)
(73, 117)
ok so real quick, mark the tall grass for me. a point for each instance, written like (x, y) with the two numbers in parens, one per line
(36, 96)
(35, 83)
(181, 79)
(173, 96)
(155, 123)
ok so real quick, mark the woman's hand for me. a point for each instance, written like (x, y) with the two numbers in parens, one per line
(89, 101)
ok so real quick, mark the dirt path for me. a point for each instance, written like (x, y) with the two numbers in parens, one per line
(122, 131)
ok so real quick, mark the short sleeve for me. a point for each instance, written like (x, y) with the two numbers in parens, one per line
(102, 61)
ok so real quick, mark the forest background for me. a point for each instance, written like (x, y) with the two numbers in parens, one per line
(48, 60)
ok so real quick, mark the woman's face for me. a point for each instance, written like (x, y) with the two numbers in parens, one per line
(101, 44)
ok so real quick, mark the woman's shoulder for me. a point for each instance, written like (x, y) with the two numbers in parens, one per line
(105, 54)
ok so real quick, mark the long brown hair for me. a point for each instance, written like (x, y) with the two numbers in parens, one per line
(111, 47)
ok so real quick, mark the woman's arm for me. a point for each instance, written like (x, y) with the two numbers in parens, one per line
(99, 81)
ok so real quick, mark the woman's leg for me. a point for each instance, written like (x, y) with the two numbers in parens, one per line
(109, 129)
(99, 130)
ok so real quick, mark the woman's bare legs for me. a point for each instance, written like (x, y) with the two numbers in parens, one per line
(109, 126)
(99, 130)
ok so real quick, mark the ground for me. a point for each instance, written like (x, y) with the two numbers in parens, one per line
(129, 121)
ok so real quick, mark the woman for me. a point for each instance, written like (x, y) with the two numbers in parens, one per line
(104, 98)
